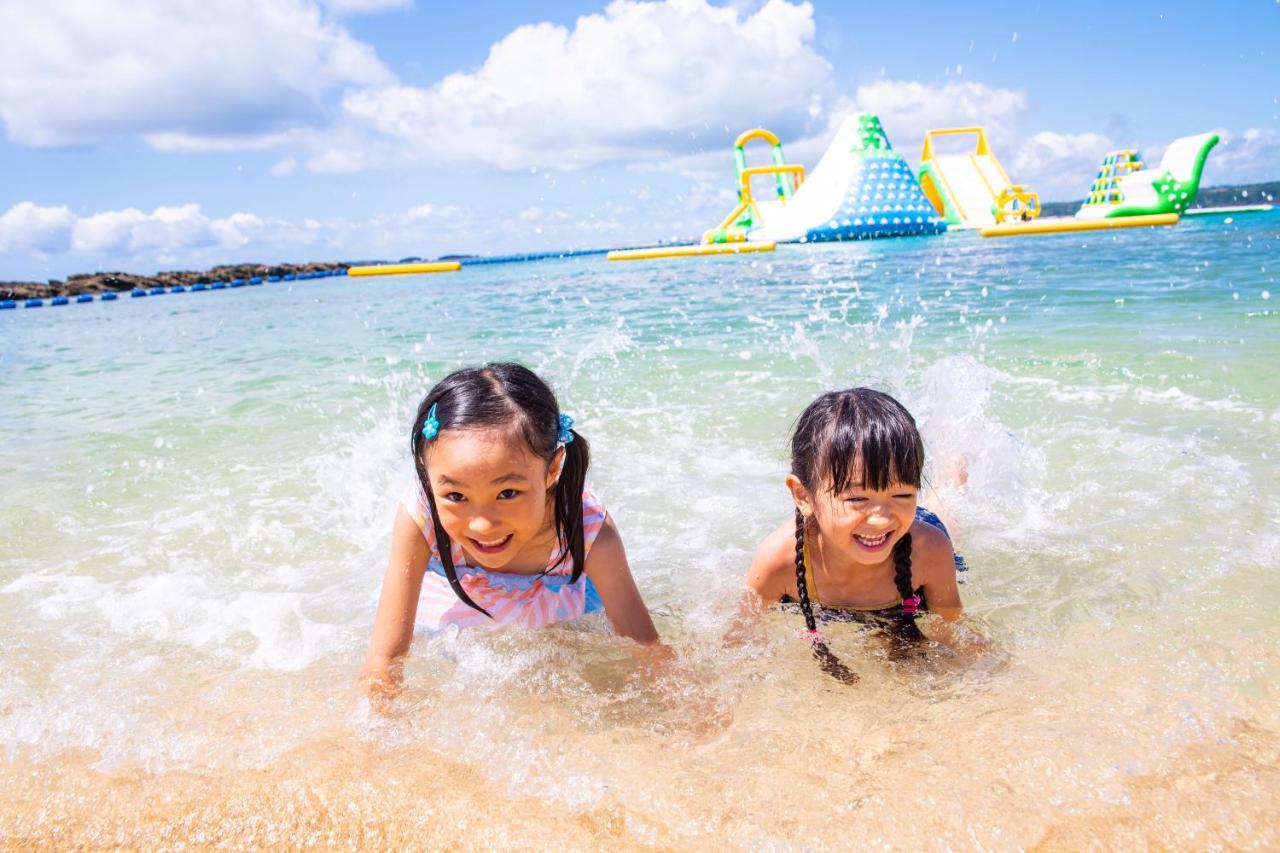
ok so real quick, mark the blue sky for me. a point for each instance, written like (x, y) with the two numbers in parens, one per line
(171, 134)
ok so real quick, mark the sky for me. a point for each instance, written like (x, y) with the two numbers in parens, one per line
(179, 134)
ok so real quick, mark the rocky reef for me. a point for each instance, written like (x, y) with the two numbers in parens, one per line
(101, 282)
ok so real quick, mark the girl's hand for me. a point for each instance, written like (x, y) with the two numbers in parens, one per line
(686, 698)
(380, 681)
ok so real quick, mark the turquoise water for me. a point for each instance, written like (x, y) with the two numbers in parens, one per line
(198, 491)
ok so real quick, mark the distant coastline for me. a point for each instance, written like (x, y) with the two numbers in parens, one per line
(101, 282)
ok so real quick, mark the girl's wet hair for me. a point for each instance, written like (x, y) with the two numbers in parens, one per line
(508, 396)
(856, 438)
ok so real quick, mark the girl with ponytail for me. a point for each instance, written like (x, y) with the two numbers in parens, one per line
(500, 528)
(860, 547)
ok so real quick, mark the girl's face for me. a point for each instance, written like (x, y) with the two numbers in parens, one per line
(863, 523)
(493, 495)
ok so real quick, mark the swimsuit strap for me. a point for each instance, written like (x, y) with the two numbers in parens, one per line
(907, 604)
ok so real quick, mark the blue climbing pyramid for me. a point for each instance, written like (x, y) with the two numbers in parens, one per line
(881, 197)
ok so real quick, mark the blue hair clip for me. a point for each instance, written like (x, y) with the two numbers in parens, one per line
(431, 426)
(565, 435)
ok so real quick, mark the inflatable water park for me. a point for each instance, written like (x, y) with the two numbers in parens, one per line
(862, 189)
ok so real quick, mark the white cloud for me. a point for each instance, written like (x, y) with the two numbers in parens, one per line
(184, 235)
(185, 73)
(110, 231)
(640, 79)
(27, 227)
(1253, 155)
(284, 168)
(909, 108)
(1059, 166)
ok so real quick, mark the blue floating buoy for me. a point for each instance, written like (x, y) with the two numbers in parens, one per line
(110, 296)
(85, 297)
(156, 291)
(219, 285)
(177, 288)
(33, 303)
(273, 278)
(199, 285)
(256, 280)
(136, 293)
(290, 277)
(7, 304)
(237, 282)
(59, 300)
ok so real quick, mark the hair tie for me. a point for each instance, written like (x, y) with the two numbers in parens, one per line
(431, 426)
(565, 435)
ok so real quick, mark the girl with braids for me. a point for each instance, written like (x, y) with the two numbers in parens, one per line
(860, 548)
(500, 528)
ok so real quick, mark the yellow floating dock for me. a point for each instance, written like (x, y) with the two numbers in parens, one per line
(689, 251)
(406, 269)
(1067, 225)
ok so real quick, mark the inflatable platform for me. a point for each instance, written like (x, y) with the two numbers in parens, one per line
(970, 189)
(696, 250)
(861, 188)
(1068, 225)
(1126, 187)
(405, 269)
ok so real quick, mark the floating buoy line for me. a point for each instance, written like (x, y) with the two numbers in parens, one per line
(141, 292)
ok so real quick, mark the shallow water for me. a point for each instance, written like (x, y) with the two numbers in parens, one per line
(197, 493)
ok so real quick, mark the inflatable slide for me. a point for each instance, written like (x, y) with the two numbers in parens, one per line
(1126, 187)
(861, 188)
(970, 189)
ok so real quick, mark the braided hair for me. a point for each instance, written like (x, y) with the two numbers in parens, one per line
(510, 396)
(868, 435)
(830, 664)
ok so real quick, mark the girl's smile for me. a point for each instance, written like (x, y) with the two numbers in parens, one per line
(493, 546)
(859, 524)
(872, 544)
(493, 497)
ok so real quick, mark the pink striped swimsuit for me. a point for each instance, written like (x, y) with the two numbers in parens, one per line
(528, 601)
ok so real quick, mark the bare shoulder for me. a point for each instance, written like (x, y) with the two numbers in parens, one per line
(607, 550)
(930, 552)
(774, 563)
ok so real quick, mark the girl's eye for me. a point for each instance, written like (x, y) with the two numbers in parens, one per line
(454, 497)
(507, 494)
(855, 499)
(905, 495)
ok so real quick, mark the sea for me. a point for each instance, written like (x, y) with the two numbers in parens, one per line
(197, 492)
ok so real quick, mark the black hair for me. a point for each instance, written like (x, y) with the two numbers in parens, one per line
(509, 396)
(863, 435)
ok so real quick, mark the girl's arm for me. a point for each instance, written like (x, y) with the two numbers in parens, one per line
(933, 567)
(397, 607)
(937, 574)
(608, 570)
